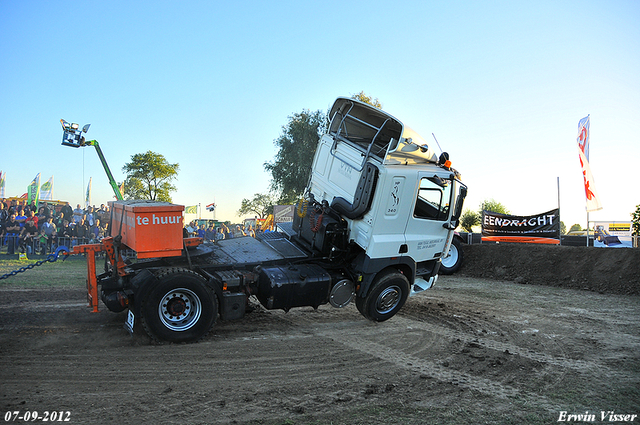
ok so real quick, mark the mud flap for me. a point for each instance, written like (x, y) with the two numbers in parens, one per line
(128, 325)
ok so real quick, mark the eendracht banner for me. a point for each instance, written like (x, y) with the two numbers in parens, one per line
(539, 228)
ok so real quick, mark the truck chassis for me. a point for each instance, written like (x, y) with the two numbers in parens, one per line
(378, 216)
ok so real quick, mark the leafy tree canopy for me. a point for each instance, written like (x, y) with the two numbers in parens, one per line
(493, 206)
(291, 167)
(635, 216)
(261, 205)
(468, 220)
(575, 227)
(563, 228)
(149, 176)
(362, 97)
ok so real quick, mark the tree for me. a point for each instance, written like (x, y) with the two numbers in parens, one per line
(493, 206)
(635, 216)
(261, 205)
(575, 227)
(362, 97)
(149, 176)
(469, 219)
(563, 228)
(291, 167)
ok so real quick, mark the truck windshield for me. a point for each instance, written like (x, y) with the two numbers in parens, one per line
(434, 199)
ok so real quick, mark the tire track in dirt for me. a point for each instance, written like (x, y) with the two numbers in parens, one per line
(411, 356)
(562, 362)
(409, 321)
(359, 338)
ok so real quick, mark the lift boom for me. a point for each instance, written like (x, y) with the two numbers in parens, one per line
(73, 137)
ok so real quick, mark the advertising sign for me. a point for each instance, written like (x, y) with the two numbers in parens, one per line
(612, 234)
(283, 213)
(539, 228)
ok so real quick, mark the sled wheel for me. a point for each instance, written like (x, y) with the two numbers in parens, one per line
(452, 262)
(386, 297)
(180, 308)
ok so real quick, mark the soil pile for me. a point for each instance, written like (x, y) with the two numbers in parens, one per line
(604, 270)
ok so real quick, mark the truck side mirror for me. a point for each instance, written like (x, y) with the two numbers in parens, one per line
(459, 203)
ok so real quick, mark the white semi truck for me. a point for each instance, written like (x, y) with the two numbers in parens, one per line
(377, 217)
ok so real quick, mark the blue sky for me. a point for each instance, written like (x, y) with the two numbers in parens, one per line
(209, 85)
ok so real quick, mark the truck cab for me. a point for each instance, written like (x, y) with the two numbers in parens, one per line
(398, 201)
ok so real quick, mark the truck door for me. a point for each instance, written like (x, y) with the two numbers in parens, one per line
(425, 234)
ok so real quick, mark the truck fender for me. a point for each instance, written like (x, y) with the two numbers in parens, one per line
(140, 285)
(217, 290)
(404, 265)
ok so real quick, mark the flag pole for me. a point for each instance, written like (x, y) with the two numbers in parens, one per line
(559, 216)
(587, 228)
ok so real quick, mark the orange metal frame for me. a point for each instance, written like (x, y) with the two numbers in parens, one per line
(92, 281)
(107, 246)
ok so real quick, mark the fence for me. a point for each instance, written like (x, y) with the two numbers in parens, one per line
(11, 244)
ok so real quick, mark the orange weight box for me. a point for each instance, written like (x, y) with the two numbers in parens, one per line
(151, 228)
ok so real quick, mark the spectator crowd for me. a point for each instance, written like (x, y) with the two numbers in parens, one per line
(40, 229)
(213, 234)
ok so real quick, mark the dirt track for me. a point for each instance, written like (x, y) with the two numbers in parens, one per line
(471, 350)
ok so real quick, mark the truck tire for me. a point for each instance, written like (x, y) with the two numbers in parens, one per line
(451, 263)
(386, 297)
(179, 308)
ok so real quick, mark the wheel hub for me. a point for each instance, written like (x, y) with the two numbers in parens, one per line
(388, 299)
(180, 309)
(451, 258)
(176, 306)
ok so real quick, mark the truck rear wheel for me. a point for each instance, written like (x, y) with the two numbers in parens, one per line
(180, 308)
(386, 297)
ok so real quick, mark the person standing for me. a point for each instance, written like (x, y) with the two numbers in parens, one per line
(210, 234)
(49, 232)
(32, 217)
(82, 231)
(28, 234)
(13, 231)
(77, 214)
(4, 218)
(67, 212)
(65, 233)
(20, 217)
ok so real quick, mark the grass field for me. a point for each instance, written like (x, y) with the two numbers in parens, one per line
(69, 273)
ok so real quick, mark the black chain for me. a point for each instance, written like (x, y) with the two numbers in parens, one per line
(51, 258)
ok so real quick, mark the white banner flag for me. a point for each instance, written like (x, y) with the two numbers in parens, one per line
(33, 191)
(87, 201)
(593, 201)
(46, 190)
(2, 176)
(583, 136)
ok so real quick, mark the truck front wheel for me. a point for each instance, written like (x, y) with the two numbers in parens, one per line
(180, 308)
(386, 297)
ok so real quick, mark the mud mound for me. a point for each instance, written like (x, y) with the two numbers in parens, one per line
(604, 270)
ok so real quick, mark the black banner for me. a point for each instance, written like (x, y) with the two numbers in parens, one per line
(539, 228)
